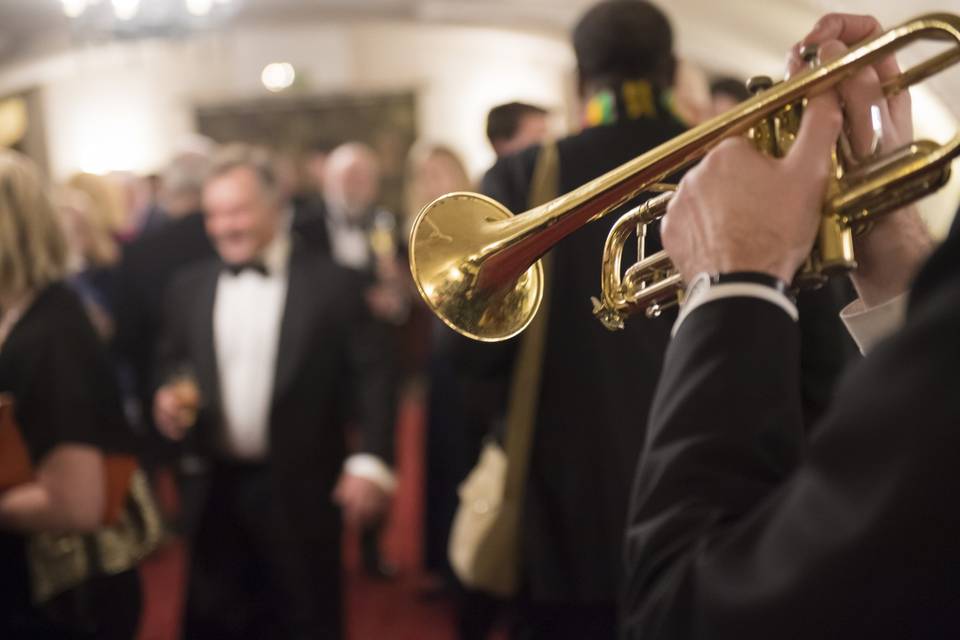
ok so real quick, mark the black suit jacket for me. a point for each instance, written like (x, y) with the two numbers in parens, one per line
(741, 527)
(597, 386)
(333, 363)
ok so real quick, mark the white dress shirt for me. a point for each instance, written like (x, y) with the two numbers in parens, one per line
(349, 244)
(870, 326)
(247, 312)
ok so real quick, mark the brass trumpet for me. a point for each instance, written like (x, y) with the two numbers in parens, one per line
(477, 266)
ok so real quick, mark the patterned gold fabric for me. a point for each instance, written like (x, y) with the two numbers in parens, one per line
(60, 562)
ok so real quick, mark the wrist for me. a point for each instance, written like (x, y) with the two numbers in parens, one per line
(755, 277)
(739, 281)
(706, 288)
(766, 272)
(778, 269)
(372, 468)
(889, 257)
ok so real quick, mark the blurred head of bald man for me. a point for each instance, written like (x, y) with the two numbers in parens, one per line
(351, 180)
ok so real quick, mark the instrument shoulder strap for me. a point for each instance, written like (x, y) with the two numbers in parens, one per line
(525, 382)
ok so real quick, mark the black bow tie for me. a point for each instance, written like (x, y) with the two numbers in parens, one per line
(254, 265)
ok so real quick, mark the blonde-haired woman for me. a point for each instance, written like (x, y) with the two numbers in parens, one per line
(68, 410)
(432, 170)
(94, 217)
(89, 236)
(92, 255)
(107, 196)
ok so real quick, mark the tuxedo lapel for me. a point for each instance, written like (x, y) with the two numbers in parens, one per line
(297, 317)
(201, 329)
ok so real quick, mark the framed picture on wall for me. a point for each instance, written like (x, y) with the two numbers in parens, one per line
(294, 127)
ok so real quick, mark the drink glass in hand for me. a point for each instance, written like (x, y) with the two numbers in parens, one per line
(184, 386)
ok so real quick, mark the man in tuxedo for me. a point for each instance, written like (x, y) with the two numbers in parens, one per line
(741, 526)
(362, 234)
(351, 211)
(279, 344)
(597, 386)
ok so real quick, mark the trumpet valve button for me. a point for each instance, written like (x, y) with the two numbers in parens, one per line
(756, 84)
(809, 53)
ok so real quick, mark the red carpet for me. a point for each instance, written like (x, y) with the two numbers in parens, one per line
(376, 610)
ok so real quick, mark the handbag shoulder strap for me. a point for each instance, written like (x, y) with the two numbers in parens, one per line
(525, 384)
(545, 184)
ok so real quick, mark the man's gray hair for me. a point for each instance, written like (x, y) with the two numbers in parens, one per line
(235, 156)
(184, 175)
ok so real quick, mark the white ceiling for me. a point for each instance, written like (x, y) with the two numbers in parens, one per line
(740, 37)
(736, 37)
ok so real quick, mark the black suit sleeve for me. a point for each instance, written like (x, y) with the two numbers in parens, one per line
(172, 349)
(372, 361)
(826, 348)
(738, 529)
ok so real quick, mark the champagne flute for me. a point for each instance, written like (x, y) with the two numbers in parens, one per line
(183, 384)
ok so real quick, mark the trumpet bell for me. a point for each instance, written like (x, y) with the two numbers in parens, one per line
(450, 258)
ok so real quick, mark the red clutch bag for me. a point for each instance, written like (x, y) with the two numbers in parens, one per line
(16, 468)
(119, 471)
(15, 465)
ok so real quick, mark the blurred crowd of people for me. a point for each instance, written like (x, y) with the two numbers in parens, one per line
(258, 322)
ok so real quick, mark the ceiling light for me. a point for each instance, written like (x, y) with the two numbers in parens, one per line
(73, 8)
(278, 76)
(199, 7)
(125, 9)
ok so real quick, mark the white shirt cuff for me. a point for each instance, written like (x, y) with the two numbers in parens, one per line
(867, 327)
(734, 290)
(370, 467)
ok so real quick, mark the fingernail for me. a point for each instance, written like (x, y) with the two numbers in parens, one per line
(810, 53)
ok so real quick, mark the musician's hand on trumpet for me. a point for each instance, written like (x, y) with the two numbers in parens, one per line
(889, 256)
(720, 220)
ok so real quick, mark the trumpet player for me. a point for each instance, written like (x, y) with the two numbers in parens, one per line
(740, 525)
(594, 389)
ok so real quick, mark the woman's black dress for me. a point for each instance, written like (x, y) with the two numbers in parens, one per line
(65, 391)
